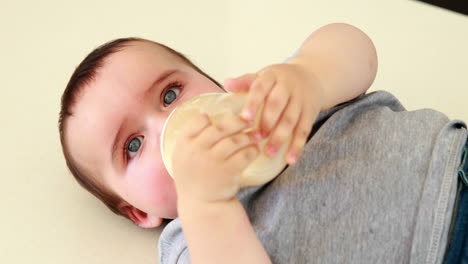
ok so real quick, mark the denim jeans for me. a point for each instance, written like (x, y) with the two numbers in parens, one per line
(458, 247)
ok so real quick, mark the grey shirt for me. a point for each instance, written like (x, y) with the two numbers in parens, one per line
(375, 184)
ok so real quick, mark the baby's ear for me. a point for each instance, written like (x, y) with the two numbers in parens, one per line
(141, 218)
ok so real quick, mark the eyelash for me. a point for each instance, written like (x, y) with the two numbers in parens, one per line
(171, 85)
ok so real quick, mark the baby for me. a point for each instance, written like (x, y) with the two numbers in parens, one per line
(120, 95)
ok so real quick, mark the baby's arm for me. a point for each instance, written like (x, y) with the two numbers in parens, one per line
(220, 233)
(208, 159)
(344, 60)
(335, 64)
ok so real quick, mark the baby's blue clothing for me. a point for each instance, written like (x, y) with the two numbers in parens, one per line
(374, 184)
(457, 252)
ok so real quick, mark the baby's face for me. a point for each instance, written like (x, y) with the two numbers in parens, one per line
(114, 133)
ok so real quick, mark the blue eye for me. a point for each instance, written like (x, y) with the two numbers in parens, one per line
(171, 94)
(133, 146)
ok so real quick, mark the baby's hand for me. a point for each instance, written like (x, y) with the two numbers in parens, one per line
(208, 158)
(293, 98)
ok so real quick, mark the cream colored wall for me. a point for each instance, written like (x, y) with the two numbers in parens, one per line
(48, 218)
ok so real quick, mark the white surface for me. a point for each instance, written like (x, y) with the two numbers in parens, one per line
(48, 218)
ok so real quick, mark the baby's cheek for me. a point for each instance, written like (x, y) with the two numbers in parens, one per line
(152, 189)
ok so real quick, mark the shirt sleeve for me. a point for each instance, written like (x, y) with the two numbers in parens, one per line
(172, 245)
(184, 257)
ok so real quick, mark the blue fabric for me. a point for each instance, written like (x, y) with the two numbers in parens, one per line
(458, 249)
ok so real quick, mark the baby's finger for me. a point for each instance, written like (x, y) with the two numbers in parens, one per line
(230, 145)
(261, 86)
(275, 104)
(242, 158)
(300, 134)
(284, 127)
(196, 125)
(231, 124)
(239, 84)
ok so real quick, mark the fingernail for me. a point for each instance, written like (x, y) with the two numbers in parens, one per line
(271, 150)
(247, 115)
(227, 81)
(257, 136)
(292, 158)
(264, 134)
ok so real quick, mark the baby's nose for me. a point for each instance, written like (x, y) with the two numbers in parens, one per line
(154, 126)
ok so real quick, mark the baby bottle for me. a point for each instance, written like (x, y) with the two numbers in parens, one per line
(217, 105)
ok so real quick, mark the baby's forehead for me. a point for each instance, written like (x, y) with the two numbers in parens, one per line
(123, 75)
(142, 53)
(136, 64)
(131, 68)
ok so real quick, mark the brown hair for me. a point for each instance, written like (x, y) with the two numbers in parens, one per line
(84, 73)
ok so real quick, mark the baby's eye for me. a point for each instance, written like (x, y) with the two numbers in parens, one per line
(171, 94)
(133, 146)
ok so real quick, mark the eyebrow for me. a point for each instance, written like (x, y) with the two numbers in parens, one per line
(157, 82)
